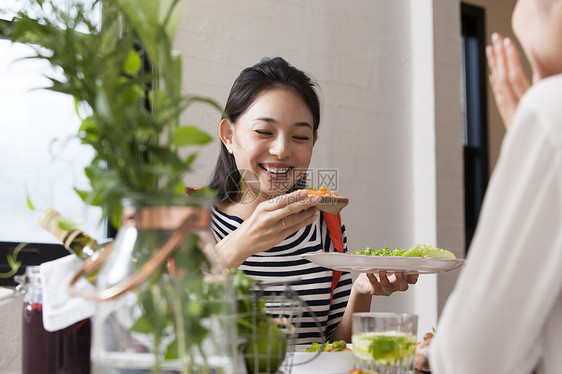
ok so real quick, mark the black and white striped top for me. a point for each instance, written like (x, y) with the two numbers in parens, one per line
(311, 282)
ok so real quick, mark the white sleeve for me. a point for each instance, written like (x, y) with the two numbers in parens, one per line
(492, 322)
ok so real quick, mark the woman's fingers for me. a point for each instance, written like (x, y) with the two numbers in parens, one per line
(501, 77)
(289, 213)
(383, 285)
(501, 73)
(519, 81)
(412, 278)
(400, 284)
(296, 221)
(500, 64)
(376, 287)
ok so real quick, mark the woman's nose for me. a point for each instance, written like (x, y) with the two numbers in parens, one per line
(280, 147)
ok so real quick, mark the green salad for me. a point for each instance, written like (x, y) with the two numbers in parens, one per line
(336, 346)
(417, 250)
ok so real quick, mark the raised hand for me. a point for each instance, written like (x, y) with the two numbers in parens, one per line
(271, 222)
(507, 77)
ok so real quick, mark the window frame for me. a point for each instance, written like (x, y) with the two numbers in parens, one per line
(475, 142)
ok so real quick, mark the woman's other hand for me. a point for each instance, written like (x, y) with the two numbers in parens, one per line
(383, 284)
(507, 77)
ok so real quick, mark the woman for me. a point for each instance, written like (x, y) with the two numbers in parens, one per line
(505, 315)
(268, 132)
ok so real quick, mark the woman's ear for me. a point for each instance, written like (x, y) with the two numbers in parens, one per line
(225, 133)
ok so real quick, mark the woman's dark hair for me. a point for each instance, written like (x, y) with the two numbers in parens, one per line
(267, 74)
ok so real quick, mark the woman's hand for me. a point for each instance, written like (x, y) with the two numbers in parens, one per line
(383, 284)
(507, 77)
(271, 222)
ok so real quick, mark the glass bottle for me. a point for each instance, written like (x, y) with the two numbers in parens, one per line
(75, 241)
(60, 352)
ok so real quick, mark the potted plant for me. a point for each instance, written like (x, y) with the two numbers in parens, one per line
(126, 81)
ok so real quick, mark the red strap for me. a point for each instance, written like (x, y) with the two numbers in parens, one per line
(333, 221)
(189, 190)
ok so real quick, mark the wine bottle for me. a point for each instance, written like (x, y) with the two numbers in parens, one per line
(75, 241)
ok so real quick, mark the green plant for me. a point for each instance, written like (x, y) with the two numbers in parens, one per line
(13, 262)
(130, 115)
(126, 82)
(263, 344)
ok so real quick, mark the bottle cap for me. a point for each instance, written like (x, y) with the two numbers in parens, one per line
(49, 220)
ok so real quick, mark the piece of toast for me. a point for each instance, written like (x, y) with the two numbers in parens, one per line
(330, 202)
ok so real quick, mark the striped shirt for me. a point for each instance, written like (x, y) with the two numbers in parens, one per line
(311, 282)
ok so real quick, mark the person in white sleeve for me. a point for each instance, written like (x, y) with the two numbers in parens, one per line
(505, 314)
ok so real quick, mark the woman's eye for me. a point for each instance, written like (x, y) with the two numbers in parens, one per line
(301, 138)
(262, 132)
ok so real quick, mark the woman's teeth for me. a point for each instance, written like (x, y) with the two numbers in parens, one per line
(275, 170)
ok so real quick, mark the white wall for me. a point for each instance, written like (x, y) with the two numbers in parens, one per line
(389, 73)
(389, 76)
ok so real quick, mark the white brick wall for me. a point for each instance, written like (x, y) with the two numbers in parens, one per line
(389, 78)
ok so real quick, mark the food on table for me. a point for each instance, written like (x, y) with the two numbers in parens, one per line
(330, 202)
(388, 348)
(362, 371)
(422, 352)
(337, 346)
(417, 250)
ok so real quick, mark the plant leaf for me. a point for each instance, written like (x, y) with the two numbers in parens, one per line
(13, 262)
(68, 224)
(144, 17)
(29, 203)
(142, 325)
(190, 135)
(133, 63)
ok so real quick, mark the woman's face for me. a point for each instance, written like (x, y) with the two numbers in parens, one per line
(538, 26)
(272, 142)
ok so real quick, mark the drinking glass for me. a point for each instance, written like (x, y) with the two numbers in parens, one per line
(385, 342)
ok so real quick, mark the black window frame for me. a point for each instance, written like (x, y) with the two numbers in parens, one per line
(475, 116)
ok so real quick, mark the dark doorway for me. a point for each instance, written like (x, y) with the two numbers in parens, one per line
(475, 114)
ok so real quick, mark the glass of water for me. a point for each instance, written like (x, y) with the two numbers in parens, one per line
(385, 342)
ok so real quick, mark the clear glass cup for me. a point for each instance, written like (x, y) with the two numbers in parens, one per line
(385, 342)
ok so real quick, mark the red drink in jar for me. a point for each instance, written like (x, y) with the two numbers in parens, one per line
(66, 351)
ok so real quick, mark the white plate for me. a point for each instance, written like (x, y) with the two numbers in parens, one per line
(391, 264)
(321, 363)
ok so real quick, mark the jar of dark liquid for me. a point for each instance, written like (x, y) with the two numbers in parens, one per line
(66, 351)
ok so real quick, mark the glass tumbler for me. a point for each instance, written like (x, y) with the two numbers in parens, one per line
(385, 342)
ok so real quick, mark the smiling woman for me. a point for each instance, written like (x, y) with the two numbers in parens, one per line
(264, 221)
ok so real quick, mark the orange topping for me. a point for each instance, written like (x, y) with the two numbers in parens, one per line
(322, 191)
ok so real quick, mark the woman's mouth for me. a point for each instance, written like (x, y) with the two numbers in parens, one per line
(276, 171)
